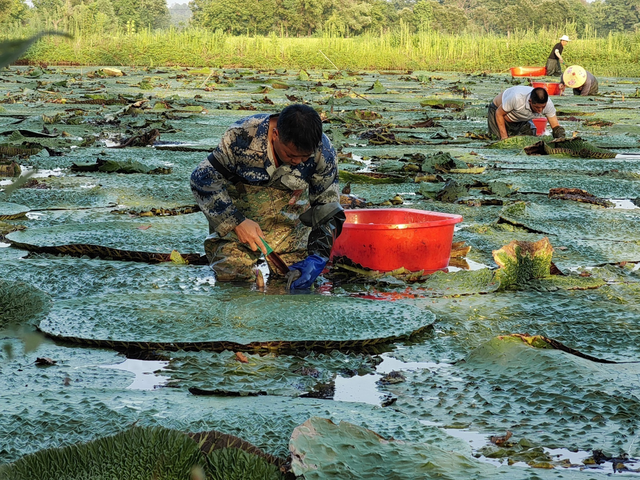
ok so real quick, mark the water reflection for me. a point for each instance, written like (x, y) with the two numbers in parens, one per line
(364, 388)
(146, 377)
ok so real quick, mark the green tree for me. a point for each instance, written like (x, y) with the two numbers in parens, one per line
(13, 10)
(617, 15)
(142, 13)
(349, 17)
(236, 16)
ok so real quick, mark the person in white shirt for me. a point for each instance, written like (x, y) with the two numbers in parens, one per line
(512, 111)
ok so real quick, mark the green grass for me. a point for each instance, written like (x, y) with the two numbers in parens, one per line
(615, 55)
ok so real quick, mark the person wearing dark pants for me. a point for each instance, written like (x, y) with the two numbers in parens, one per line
(555, 60)
(512, 111)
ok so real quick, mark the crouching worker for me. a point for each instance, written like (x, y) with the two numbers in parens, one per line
(272, 177)
(582, 82)
(511, 112)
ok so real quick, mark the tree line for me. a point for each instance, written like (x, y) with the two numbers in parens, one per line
(336, 17)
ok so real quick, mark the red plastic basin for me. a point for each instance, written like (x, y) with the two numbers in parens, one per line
(541, 125)
(528, 71)
(551, 88)
(389, 238)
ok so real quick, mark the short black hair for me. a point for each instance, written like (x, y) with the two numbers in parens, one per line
(539, 96)
(300, 125)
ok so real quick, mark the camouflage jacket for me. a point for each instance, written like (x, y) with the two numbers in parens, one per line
(245, 151)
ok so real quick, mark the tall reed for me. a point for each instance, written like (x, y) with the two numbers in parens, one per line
(614, 55)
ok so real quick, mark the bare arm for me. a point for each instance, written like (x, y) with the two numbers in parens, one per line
(558, 55)
(553, 121)
(501, 119)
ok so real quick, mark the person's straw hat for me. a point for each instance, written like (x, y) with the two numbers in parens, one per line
(564, 38)
(574, 76)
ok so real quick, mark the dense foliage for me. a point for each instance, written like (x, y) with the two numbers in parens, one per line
(342, 18)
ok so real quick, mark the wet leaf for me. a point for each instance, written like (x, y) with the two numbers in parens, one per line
(177, 258)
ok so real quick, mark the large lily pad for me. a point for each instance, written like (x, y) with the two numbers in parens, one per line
(514, 371)
(246, 322)
(139, 239)
(575, 220)
(11, 211)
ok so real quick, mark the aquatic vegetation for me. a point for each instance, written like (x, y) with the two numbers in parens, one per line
(144, 453)
(107, 262)
(521, 262)
(21, 303)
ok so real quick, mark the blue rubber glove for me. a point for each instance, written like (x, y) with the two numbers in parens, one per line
(302, 274)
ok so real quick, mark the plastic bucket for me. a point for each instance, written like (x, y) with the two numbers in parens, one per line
(389, 238)
(551, 88)
(541, 125)
(528, 71)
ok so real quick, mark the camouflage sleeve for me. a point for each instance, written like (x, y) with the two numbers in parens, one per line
(209, 188)
(323, 185)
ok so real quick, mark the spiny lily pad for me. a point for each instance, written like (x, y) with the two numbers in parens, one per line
(574, 221)
(370, 178)
(517, 143)
(455, 105)
(521, 262)
(141, 452)
(574, 147)
(222, 373)
(11, 211)
(20, 302)
(320, 449)
(247, 322)
(143, 239)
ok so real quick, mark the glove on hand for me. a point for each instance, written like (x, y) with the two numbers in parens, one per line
(558, 132)
(302, 274)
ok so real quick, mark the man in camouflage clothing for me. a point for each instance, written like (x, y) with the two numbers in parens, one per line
(255, 185)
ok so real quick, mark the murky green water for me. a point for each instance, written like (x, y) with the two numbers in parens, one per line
(464, 378)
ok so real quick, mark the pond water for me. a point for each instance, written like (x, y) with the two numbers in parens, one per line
(447, 360)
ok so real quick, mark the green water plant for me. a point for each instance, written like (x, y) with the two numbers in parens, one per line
(142, 453)
(522, 261)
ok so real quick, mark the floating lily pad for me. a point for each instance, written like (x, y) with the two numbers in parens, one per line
(142, 239)
(11, 211)
(21, 303)
(256, 322)
(226, 373)
(574, 220)
(321, 449)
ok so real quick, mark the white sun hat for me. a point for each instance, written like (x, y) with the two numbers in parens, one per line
(565, 38)
(574, 76)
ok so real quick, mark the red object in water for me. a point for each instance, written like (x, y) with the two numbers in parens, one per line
(551, 88)
(528, 71)
(389, 238)
(541, 125)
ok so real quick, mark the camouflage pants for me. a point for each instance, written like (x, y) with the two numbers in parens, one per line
(276, 211)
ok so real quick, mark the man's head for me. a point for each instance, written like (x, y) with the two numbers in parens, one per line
(297, 134)
(564, 40)
(538, 99)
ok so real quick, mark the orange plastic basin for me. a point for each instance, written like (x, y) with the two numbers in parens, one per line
(528, 71)
(541, 125)
(390, 238)
(551, 88)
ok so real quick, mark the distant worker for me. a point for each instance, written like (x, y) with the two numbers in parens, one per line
(511, 112)
(582, 82)
(555, 57)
